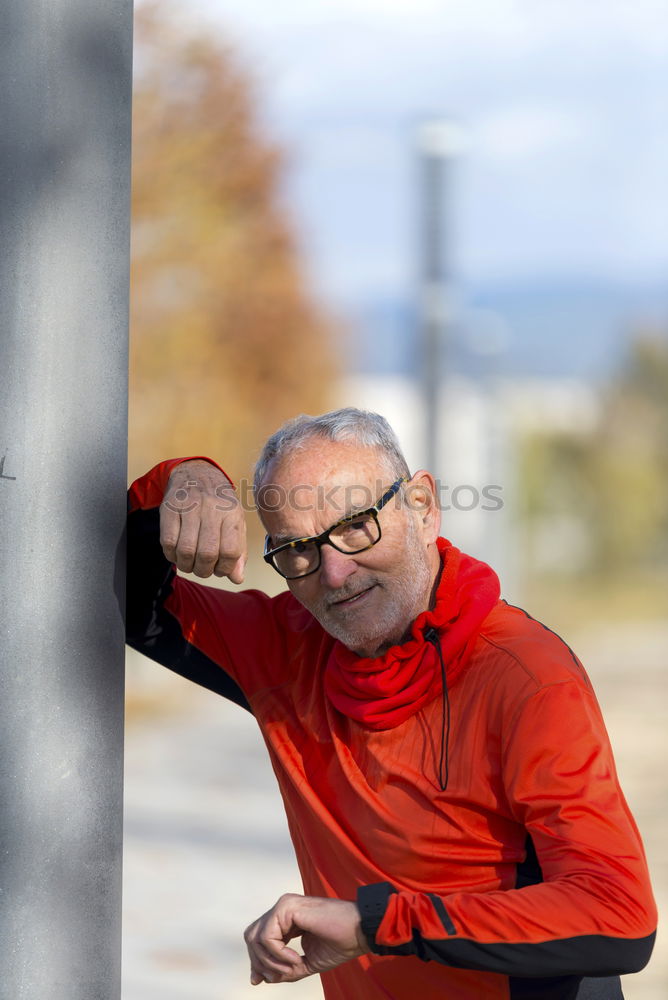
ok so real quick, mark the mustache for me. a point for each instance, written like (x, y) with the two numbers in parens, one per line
(346, 592)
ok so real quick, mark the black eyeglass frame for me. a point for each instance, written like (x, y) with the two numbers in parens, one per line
(324, 539)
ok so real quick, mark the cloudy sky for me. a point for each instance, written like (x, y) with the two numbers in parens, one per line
(563, 108)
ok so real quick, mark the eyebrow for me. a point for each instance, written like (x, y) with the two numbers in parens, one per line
(284, 539)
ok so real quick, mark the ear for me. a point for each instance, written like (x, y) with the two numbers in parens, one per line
(422, 498)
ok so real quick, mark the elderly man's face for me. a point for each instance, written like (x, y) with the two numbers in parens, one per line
(367, 600)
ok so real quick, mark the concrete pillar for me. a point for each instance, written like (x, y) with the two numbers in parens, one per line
(65, 99)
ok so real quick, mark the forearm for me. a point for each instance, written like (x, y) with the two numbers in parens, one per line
(151, 628)
(538, 931)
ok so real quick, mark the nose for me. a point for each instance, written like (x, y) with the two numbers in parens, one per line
(335, 567)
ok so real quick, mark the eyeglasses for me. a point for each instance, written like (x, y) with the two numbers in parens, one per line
(353, 533)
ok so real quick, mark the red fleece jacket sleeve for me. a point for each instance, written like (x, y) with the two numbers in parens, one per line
(594, 913)
(210, 635)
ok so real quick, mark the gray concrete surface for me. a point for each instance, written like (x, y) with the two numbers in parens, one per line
(206, 843)
(65, 103)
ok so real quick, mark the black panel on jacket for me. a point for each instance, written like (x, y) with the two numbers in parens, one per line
(152, 630)
(529, 872)
(524, 959)
(566, 988)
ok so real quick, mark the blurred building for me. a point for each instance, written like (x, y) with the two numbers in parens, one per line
(481, 426)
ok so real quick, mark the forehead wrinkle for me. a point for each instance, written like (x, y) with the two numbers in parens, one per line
(324, 465)
(337, 459)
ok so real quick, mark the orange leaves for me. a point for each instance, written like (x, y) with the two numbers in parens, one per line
(226, 341)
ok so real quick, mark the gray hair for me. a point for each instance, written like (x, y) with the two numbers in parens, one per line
(361, 427)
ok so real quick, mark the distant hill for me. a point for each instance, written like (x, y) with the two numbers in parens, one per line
(561, 329)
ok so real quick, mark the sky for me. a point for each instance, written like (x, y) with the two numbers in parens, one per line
(562, 111)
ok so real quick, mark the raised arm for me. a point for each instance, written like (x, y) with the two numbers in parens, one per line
(185, 514)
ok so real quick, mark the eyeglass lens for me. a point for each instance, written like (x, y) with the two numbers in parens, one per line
(352, 536)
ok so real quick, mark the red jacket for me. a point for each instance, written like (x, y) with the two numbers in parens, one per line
(523, 875)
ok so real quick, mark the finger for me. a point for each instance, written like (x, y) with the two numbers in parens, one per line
(267, 967)
(233, 552)
(256, 977)
(186, 547)
(274, 972)
(170, 529)
(236, 573)
(292, 975)
(232, 566)
(181, 498)
(207, 550)
(271, 953)
(270, 957)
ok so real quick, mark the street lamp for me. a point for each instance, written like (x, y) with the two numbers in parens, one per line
(439, 142)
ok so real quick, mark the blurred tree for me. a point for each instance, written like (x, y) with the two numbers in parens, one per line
(225, 340)
(612, 482)
(630, 461)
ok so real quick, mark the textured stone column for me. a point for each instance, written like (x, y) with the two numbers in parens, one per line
(65, 107)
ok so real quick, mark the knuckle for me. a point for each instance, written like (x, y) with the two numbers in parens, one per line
(187, 551)
(230, 551)
(230, 558)
(207, 554)
(233, 524)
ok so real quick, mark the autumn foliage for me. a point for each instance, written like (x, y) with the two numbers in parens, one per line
(226, 341)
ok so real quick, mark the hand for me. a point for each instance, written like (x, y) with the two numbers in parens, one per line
(330, 930)
(202, 525)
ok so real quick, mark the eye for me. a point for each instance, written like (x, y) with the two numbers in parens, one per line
(354, 525)
(299, 547)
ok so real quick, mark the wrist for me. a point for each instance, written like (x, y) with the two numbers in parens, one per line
(372, 902)
(191, 468)
(362, 942)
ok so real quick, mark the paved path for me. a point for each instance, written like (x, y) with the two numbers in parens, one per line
(207, 849)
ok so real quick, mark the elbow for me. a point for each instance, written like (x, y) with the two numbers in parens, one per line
(632, 956)
(610, 956)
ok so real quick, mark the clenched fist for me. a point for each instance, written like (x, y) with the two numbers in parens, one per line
(202, 524)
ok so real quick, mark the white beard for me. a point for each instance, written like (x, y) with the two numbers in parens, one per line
(400, 601)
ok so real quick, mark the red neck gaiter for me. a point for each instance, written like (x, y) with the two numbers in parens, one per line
(383, 691)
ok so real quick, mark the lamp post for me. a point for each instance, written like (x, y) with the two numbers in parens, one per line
(439, 141)
(65, 99)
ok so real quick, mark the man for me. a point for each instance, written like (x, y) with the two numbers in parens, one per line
(447, 778)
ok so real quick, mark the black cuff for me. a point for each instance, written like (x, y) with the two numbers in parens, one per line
(372, 903)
